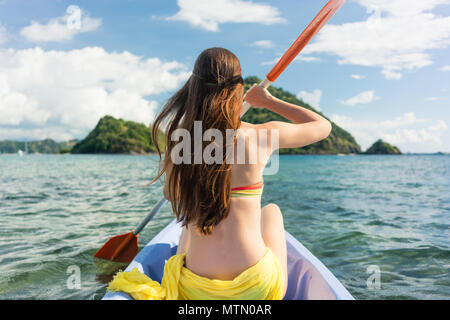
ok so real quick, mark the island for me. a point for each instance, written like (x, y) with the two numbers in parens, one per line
(117, 136)
(381, 147)
(338, 142)
(38, 146)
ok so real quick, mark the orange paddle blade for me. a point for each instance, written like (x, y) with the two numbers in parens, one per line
(319, 21)
(121, 248)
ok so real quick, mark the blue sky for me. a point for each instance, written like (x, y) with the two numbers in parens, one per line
(380, 69)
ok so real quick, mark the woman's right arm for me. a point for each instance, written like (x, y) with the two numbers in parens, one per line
(308, 127)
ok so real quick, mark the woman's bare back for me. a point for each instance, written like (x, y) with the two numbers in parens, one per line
(236, 243)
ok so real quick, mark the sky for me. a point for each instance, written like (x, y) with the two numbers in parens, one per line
(379, 69)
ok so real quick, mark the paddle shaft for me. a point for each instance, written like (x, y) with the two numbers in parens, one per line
(305, 37)
(150, 216)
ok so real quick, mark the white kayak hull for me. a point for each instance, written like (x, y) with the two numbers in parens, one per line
(308, 278)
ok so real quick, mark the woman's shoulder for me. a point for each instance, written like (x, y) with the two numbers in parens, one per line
(264, 132)
(256, 140)
(258, 126)
(246, 125)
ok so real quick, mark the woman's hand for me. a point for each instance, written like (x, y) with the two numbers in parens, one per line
(258, 97)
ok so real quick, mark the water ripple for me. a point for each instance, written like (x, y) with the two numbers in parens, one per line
(351, 212)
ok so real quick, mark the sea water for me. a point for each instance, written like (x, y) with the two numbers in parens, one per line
(379, 223)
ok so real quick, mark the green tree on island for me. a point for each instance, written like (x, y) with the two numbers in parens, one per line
(339, 140)
(117, 136)
(381, 147)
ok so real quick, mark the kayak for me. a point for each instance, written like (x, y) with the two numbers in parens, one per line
(308, 277)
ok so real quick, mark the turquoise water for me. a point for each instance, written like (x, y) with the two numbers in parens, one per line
(350, 211)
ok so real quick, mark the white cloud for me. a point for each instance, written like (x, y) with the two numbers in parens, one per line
(391, 74)
(3, 34)
(209, 14)
(430, 135)
(409, 133)
(446, 68)
(311, 98)
(357, 76)
(401, 8)
(362, 98)
(395, 38)
(407, 119)
(307, 58)
(263, 44)
(58, 133)
(61, 29)
(298, 58)
(67, 92)
(432, 99)
(438, 126)
(269, 63)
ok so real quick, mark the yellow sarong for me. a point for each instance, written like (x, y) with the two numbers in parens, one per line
(262, 281)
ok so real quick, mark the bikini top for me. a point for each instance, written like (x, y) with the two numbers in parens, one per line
(251, 191)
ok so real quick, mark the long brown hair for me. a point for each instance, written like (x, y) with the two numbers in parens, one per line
(201, 193)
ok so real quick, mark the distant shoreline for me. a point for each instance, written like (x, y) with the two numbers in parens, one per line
(282, 154)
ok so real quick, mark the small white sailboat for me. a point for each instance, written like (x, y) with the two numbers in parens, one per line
(21, 152)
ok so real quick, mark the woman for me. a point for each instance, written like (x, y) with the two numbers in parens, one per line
(226, 235)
